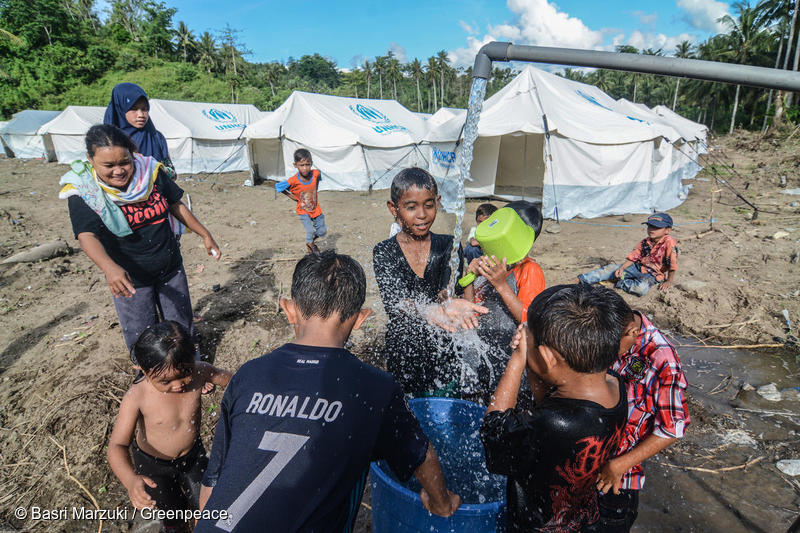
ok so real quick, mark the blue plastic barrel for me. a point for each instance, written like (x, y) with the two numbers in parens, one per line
(453, 426)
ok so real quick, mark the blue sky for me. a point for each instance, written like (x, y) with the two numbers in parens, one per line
(348, 31)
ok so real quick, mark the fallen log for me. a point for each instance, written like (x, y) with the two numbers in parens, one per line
(45, 251)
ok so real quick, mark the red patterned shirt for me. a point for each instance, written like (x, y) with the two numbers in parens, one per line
(656, 258)
(656, 388)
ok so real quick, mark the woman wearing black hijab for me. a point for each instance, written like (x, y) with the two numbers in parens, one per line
(129, 110)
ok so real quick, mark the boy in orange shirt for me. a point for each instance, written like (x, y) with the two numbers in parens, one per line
(507, 291)
(302, 188)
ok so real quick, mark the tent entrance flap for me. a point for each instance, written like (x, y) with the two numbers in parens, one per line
(520, 166)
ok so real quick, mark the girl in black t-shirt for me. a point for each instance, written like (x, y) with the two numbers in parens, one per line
(125, 211)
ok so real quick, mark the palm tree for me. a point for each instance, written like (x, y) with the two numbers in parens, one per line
(748, 38)
(415, 69)
(684, 51)
(442, 62)
(432, 71)
(207, 52)
(393, 71)
(368, 74)
(380, 68)
(776, 9)
(628, 49)
(270, 73)
(185, 38)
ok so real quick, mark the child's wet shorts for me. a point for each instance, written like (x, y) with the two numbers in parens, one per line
(178, 479)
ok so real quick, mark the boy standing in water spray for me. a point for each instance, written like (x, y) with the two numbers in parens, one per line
(299, 426)
(657, 414)
(413, 271)
(553, 453)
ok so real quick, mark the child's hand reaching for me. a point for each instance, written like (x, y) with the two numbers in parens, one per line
(493, 270)
(444, 508)
(138, 494)
(455, 313)
(519, 343)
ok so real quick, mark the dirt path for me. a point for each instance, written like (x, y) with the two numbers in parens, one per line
(63, 366)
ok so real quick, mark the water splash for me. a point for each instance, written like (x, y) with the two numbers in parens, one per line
(476, 94)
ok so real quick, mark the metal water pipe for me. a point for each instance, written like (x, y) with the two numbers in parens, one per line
(769, 78)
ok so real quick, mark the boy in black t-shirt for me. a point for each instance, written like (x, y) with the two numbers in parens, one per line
(299, 426)
(552, 454)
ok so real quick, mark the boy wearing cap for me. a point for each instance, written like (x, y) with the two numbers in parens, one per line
(653, 261)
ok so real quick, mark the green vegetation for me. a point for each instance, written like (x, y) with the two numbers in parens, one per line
(54, 53)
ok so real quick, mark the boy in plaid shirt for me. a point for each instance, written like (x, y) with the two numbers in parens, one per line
(654, 261)
(657, 415)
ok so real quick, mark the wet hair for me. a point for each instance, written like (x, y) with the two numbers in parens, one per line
(106, 135)
(579, 322)
(409, 178)
(529, 213)
(621, 309)
(163, 346)
(327, 283)
(301, 154)
(485, 210)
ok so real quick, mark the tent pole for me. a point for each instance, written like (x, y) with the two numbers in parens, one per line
(524, 161)
(366, 166)
(548, 154)
(279, 160)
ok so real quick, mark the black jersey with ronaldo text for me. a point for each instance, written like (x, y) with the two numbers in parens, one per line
(297, 430)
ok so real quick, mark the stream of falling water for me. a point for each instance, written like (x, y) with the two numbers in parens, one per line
(476, 95)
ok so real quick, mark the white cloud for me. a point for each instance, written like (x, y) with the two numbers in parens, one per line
(646, 19)
(540, 22)
(704, 14)
(467, 28)
(399, 52)
(536, 22)
(656, 41)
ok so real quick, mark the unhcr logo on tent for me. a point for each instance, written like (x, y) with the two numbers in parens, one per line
(370, 114)
(592, 99)
(229, 121)
(444, 159)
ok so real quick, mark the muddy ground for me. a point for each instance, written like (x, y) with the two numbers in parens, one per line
(63, 366)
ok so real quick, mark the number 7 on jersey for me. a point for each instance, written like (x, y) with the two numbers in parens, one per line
(286, 445)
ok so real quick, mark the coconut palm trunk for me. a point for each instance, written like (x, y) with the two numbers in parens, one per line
(675, 98)
(735, 107)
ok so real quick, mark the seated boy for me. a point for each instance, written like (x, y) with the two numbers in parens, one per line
(653, 261)
(299, 426)
(657, 414)
(473, 248)
(553, 453)
(506, 291)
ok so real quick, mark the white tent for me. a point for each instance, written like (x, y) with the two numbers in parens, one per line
(444, 114)
(356, 143)
(689, 130)
(596, 162)
(3, 144)
(21, 133)
(684, 143)
(204, 137)
(64, 136)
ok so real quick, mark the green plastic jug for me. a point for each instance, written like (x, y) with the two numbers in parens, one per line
(503, 235)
